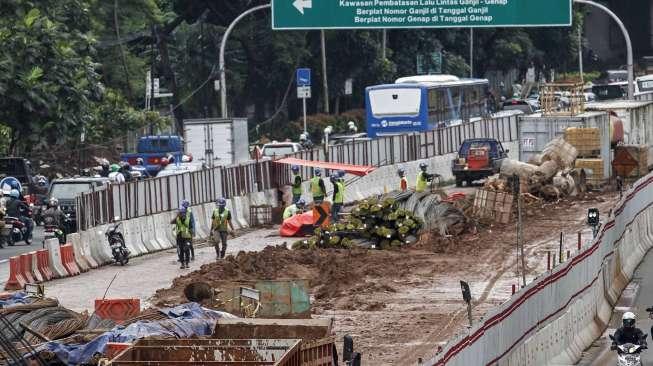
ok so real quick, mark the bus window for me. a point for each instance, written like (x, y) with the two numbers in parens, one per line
(436, 107)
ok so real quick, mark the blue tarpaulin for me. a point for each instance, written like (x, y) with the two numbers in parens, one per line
(184, 321)
(15, 299)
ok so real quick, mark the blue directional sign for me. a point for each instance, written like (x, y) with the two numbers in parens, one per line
(303, 77)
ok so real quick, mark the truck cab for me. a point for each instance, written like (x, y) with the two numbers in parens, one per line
(477, 159)
(154, 149)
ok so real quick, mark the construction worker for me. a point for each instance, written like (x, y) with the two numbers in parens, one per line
(185, 229)
(423, 178)
(318, 189)
(403, 183)
(293, 209)
(296, 184)
(220, 225)
(338, 194)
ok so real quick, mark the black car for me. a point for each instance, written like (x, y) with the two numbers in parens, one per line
(477, 159)
(67, 189)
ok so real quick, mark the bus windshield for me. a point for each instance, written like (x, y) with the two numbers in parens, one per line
(395, 102)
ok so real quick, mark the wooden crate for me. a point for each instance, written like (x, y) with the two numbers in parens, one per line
(593, 168)
(493, 206)
(587, 141)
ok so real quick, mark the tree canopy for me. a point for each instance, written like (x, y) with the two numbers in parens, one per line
(73, 66)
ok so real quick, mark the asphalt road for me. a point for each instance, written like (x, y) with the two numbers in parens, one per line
(636, 298)
(20, 247)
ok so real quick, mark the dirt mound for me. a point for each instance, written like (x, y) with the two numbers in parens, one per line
(331, 273)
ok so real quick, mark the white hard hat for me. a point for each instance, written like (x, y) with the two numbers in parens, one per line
(628, 316)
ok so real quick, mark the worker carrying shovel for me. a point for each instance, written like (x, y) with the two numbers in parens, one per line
(424, 178)
(220, 225)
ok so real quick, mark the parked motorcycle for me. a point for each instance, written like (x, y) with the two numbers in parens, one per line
(628, 354)
(117, 243)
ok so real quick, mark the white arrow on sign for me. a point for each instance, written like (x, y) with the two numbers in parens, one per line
(303, 4)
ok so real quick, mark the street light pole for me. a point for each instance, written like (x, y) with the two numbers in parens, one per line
(629, 45)
(223, 45)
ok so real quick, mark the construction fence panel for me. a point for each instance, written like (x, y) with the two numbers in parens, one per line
(528, 328)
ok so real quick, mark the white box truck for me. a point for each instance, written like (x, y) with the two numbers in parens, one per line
(217, 141)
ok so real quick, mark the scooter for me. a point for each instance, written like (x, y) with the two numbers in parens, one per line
(628, 354)
(55, 232)
(18, 231)
(117, 243)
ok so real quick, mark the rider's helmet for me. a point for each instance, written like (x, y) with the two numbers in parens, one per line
(140, 161)
(423, 166)
(221, 202)
(14, 193)
(318, 172)
(53, 202)
(628, 320)
(115, 168)
(295, 169)
(301, 202)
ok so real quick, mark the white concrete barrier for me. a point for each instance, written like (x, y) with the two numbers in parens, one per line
(78, 249)
(147, 235)
(54, 253)
(200, 226)
(553, 319)
(133, 240)
(162, 228)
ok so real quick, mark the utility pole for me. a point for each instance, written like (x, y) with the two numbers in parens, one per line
(384, 44)
(580, 53)
(520, 237)
(471, 52)
(324, 72)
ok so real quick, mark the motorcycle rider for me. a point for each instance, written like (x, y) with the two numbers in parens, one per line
(19, 209)
(105, 168)
(116, 176)
(185, 229)
(629, 333)
(125, 169)
(54, 216)
(140, 166)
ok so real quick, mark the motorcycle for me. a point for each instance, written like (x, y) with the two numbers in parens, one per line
(117, 243)
(18, 231)
(52, 231)
(628, 354)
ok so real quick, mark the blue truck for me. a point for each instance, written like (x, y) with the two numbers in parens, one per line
(154, 149)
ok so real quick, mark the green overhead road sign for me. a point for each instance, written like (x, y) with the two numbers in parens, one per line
(348, 14)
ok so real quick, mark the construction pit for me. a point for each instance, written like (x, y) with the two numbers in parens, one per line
(404, 303)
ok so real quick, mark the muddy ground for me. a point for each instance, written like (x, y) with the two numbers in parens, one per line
(401, 305)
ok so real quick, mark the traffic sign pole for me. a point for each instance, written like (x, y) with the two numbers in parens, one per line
(304, 103)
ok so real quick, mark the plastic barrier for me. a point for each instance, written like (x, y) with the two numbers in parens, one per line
(16, 280)
(79, 251)
(38, 277)
(117, 310)
(68, 259)
(553, 319)
(26, 267)
(43, 264)
(54, 254)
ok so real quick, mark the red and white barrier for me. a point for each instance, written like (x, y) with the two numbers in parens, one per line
(16, 280)
(68, 260)
(35, 268)
(43, 264)
(26, 267)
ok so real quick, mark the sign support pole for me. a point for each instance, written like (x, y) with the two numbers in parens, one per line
(304, 105)
(471, 52)
(223, 45)
(629, 45)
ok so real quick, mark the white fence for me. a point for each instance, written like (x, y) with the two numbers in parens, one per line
(556, 317)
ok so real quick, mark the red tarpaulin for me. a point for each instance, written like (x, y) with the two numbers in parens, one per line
(298, 225)
(359, 170)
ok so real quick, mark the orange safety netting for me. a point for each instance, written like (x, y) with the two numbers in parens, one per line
(359, 170)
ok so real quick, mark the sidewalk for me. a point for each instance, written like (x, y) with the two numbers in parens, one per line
(143, 275)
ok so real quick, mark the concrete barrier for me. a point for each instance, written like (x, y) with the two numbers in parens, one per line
(80, 255)
(54, 255)
(162, 228)
(38, 277)
(16, 280)
(147, 234)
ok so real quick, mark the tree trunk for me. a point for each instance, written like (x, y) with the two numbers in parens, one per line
(162, 45)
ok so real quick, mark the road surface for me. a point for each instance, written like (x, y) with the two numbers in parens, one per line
(636, 298)
(20, 247)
